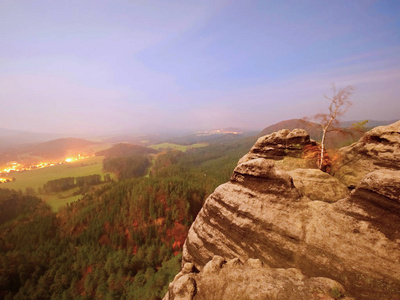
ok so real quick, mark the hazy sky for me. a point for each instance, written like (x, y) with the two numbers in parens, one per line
(68, 66)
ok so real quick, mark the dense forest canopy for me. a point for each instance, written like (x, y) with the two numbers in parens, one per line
(125, 167)
(121, 240)
(125, 149)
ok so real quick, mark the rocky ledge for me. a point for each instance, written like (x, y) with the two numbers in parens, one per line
(377, 149)
(251, 280)
(288, 149)
(306, 219)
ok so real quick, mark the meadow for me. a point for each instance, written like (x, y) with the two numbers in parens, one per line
(58, 200)
(36, 178)
(93, 165)
(183, 148)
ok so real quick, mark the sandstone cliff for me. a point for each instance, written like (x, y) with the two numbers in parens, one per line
(306, 219)
(251, 280)
(377, 149)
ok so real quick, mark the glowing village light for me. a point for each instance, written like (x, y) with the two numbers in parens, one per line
(17, 167)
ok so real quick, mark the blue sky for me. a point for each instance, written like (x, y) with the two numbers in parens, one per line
(142, 66)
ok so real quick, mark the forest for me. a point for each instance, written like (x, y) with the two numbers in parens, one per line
(122, 240)
(66, 183)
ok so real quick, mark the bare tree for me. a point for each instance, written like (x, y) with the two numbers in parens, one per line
(339, 104)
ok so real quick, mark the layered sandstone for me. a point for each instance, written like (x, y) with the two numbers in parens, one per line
(286, 148)
(318, 185)
(250, 280)
(294, 220)
(377, 149)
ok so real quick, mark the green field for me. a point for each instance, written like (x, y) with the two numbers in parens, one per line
(36, 178)
(58, 200)
(182, 148)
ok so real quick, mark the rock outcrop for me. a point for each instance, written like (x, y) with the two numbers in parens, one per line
(377, 149)
(279, 144)
(318, 185)
(286, 148)
(276, 216)
(378, 194)
(251, 280)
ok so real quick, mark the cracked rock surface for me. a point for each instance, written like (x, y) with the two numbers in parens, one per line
(251, 280)
(297, 218)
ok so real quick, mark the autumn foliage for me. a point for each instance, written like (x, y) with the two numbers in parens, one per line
(122, 240)
(338, 104)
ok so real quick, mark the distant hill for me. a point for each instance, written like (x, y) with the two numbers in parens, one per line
(51, 150)
(10, 138)
(144, 140)
(334, 139)
(125, 149)
(312, 128)
(213, 136)
(371, 123)
(230, 130)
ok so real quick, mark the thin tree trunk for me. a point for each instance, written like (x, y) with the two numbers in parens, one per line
(324, 131)
(322, 148)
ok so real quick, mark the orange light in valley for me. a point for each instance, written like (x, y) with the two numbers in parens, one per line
(79, 157)
(16, 167)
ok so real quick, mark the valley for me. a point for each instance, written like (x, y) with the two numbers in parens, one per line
(200, 150)
(35, 179)
(120, 216)
(31, 178)
(183, 148)
(120, 238)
